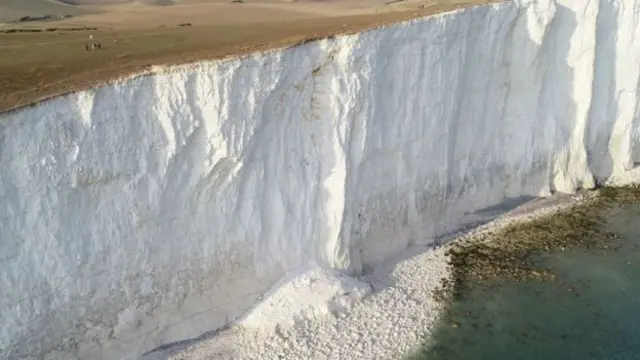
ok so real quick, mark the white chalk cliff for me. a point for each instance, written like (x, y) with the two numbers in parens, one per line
(160, 207)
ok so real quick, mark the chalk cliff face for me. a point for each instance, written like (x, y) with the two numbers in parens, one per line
(160, 207)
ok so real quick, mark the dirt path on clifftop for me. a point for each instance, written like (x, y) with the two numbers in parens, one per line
(52, 60)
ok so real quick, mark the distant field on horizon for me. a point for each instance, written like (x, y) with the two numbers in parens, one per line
(11, 10)
(135, 35)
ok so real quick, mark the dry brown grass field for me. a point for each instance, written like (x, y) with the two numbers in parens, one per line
(135, 35)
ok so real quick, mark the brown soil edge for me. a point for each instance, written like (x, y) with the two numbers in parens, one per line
(508, 252)
(105, 78)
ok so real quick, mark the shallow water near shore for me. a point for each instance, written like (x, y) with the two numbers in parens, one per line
(591, 310)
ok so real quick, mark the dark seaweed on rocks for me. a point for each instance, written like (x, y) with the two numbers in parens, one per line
(509, 252)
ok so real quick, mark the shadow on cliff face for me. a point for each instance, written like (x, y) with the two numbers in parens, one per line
(604, 106)
(558, 92)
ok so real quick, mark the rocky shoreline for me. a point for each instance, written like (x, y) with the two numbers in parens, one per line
(509, 251)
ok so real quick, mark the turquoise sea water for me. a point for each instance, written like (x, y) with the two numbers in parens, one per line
(591, 311)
